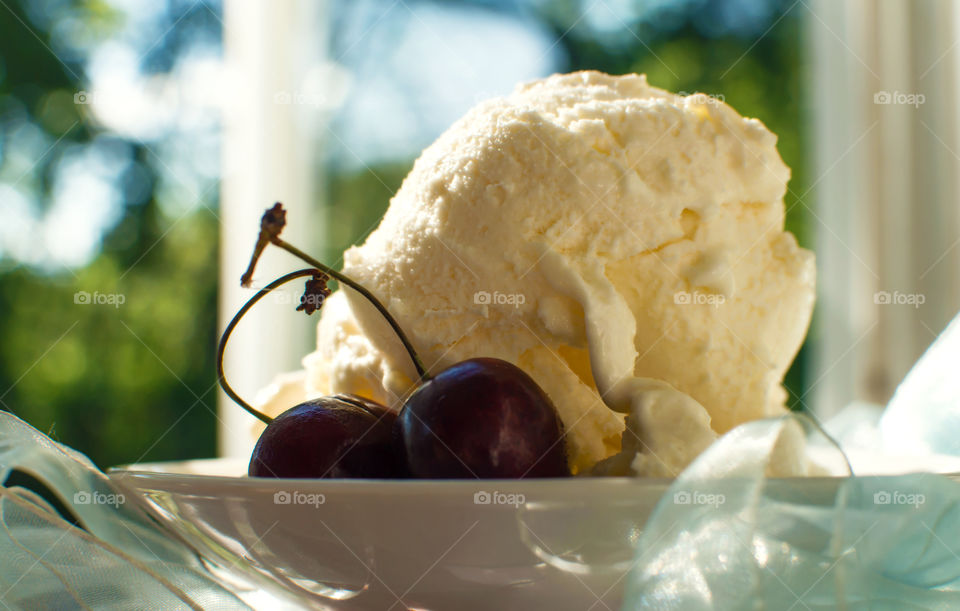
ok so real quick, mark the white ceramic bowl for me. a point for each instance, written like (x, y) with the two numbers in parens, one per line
(372, 544)
(441, 544)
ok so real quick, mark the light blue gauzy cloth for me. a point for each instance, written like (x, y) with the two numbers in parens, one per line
(120, 559)
(746, 541)
(923, 417)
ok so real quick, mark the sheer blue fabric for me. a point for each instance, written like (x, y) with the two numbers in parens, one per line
(115, 557)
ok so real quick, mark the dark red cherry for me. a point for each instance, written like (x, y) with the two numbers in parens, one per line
(484, 418)
(337, 436)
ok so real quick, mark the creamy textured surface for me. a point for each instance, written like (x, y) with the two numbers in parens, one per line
(621, 244)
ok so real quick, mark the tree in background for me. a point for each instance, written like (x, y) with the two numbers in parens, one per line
(120, 382)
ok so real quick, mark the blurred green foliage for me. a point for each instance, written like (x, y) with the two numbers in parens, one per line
(121, 384)
(136, 382)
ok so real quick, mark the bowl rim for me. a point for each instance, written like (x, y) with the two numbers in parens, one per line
(154, 472)
(156, 475)
(246, 481)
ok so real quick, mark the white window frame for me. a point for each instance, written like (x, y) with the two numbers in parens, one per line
(269, 154)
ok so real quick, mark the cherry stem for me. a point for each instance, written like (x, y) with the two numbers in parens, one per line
(271, 224)
(421, 369)
(221, 378)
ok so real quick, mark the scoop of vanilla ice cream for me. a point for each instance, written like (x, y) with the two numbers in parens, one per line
(621, 244)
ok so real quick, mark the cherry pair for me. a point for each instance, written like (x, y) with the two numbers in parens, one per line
(482, 417)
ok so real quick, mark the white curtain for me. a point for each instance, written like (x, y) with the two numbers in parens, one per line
(883, 87)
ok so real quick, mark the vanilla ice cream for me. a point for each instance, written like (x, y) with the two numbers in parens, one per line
(621, 244)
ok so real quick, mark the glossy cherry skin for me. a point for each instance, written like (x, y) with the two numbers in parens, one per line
(337, 436)
(483, 418)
